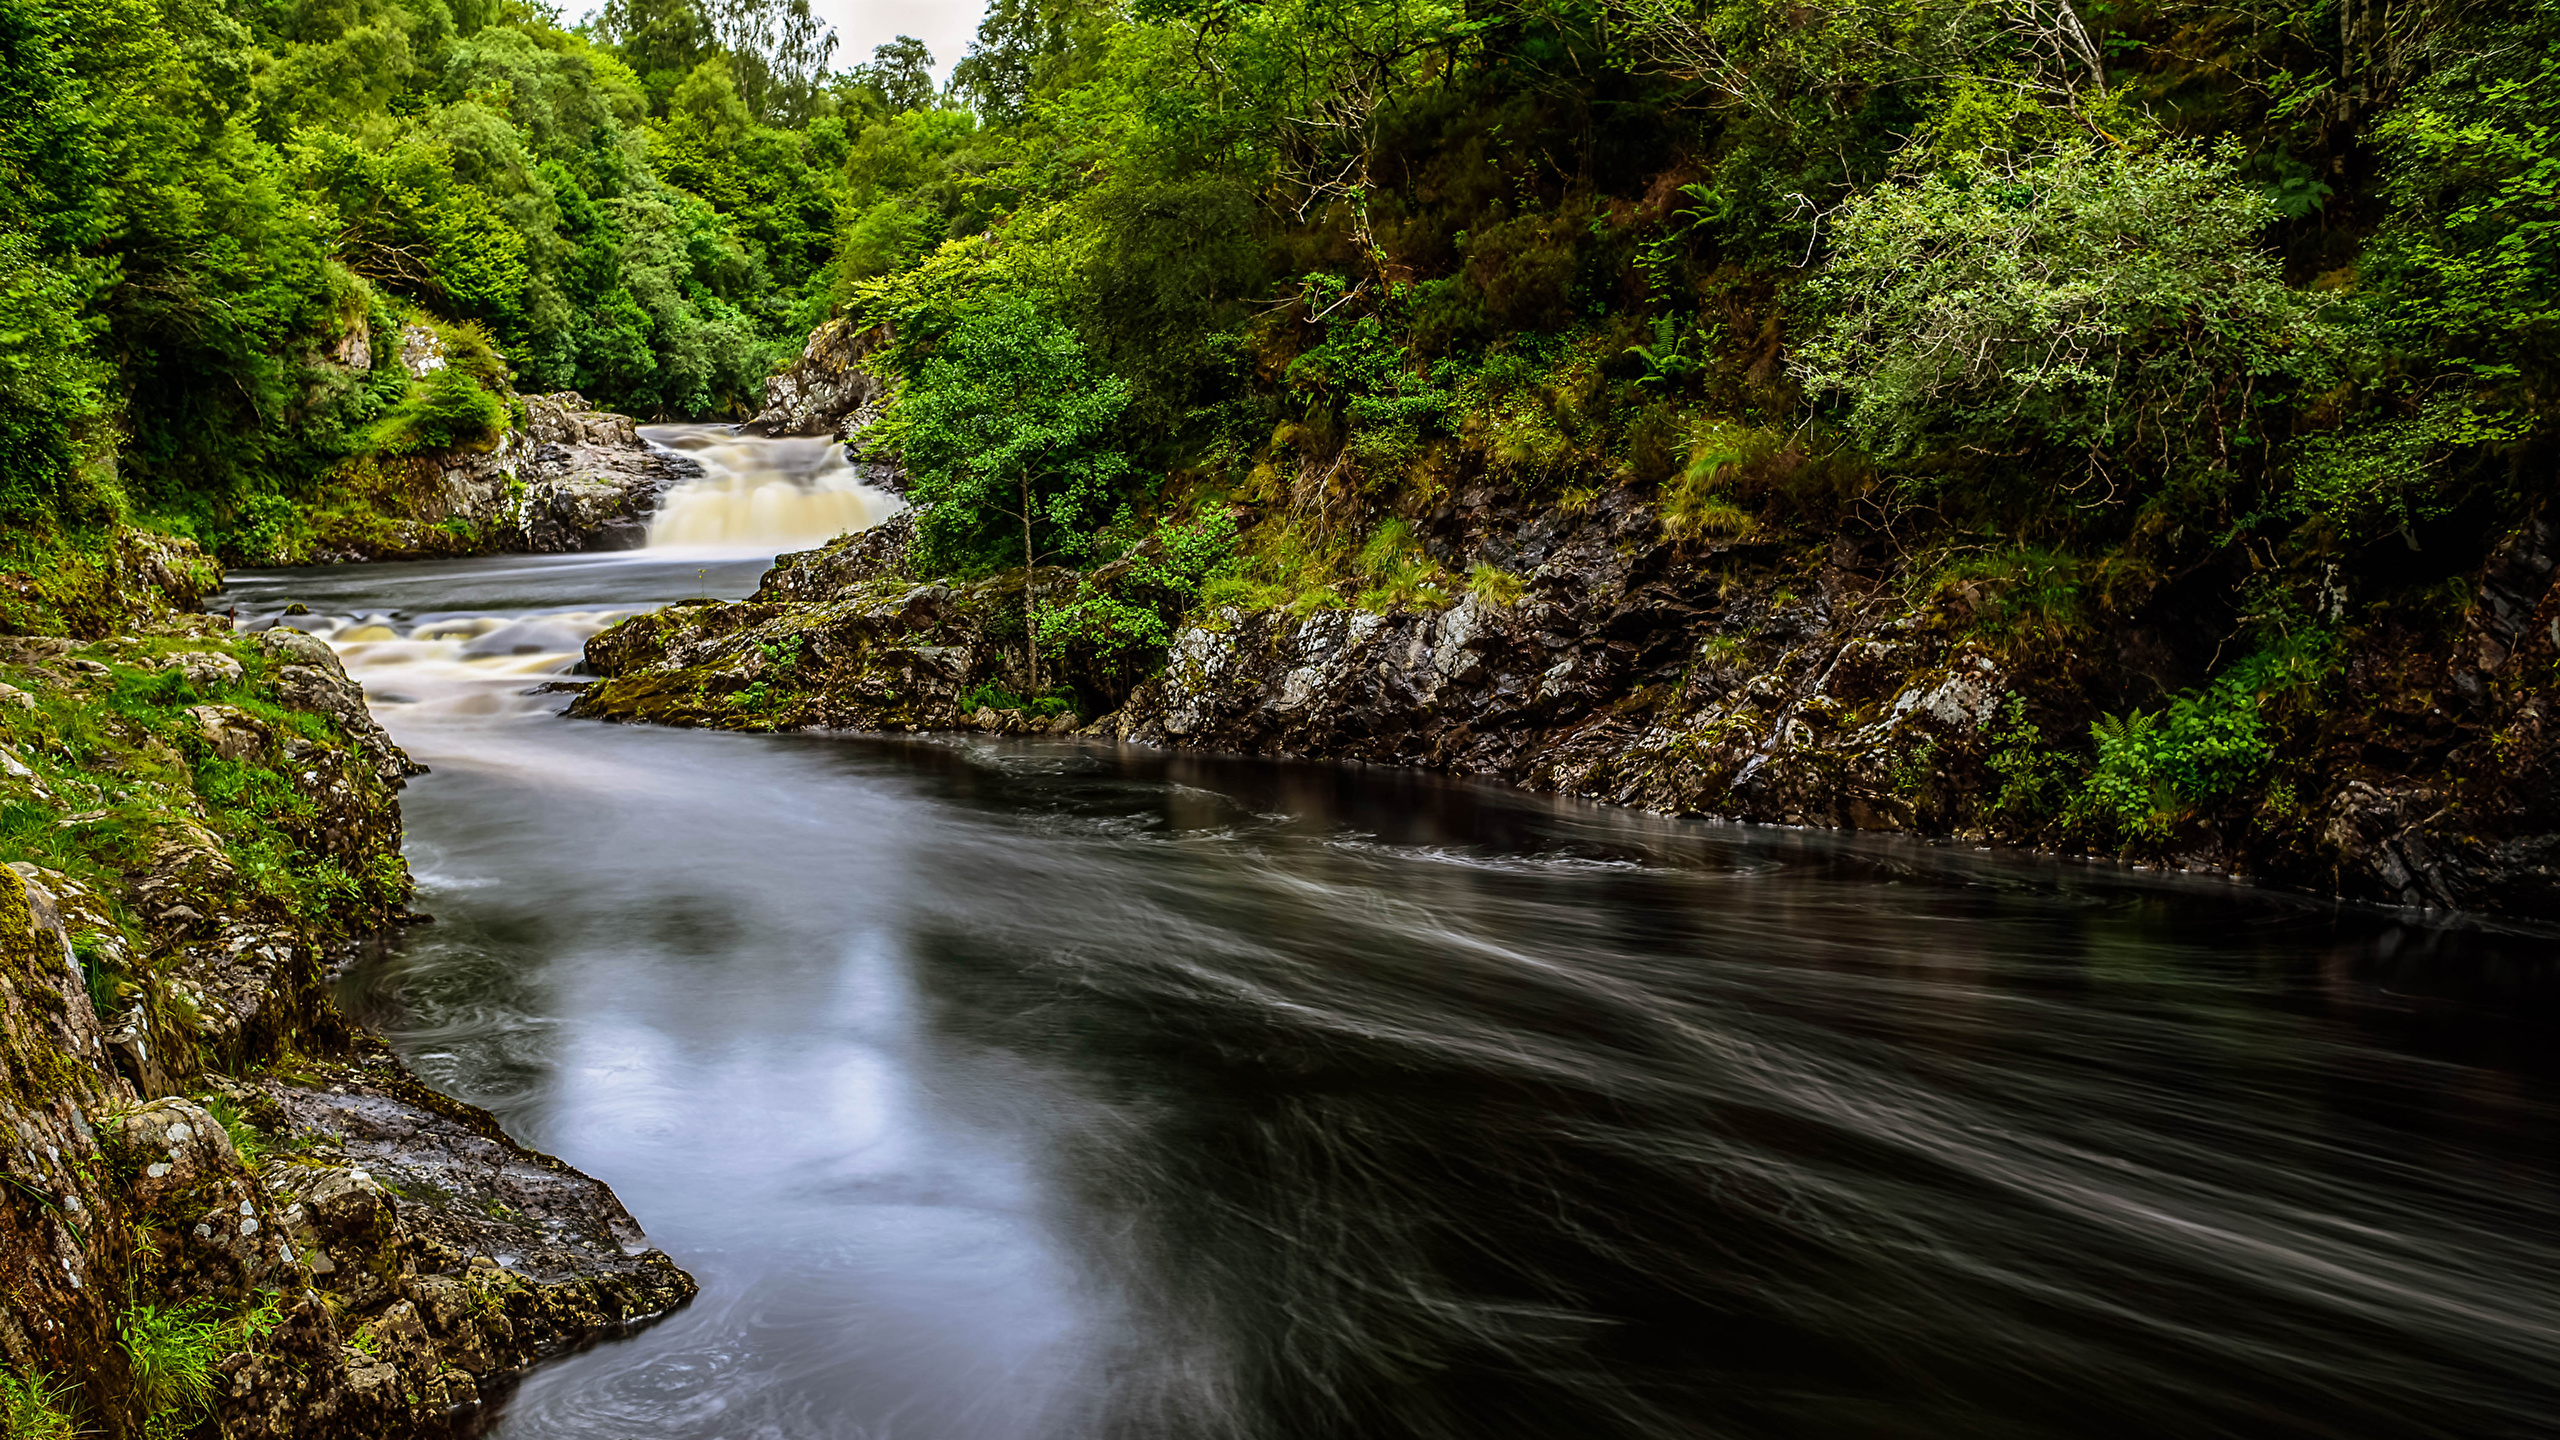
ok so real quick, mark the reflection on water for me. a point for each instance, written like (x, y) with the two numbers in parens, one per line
(787, 494)
(1012, 1090)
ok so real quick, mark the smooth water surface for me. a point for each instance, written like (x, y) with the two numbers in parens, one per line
(1005, 1090)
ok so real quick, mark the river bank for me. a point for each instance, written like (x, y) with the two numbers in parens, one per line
(1010, 1087)
(229, 1211)
(2414, 767)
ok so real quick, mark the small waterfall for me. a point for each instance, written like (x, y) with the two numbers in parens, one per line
(756, 494)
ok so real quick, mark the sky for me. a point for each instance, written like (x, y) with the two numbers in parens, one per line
(945, 29)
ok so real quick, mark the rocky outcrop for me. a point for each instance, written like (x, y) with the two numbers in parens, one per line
(563, 477)
(1733, 679)
(826, 391)
(202, 1148)
(94, 590)
(449, 1258)
(569, 478)
(589, 482)
(835, 637)
(62, 1259)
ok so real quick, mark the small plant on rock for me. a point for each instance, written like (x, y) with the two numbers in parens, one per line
(35, 1407)
(172, 1351)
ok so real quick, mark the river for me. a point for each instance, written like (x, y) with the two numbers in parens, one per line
(1000, 1089)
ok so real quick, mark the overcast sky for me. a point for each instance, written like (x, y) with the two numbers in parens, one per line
(945, 29)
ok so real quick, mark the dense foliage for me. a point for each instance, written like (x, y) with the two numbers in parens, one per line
(216, 216)
(2223, 317)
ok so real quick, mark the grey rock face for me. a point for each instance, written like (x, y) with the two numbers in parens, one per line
(1803, 688)
(589, 481)
(826, 391)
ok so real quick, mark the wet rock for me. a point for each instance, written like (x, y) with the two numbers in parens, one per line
(205, 669)
(589, 481)
(232, 733)
(826, 391)
(369, 1214)
(312, 679)
(1737, 681)
(211, 1235)
(63, 1251)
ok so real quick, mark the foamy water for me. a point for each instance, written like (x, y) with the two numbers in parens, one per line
(430, 671)
(789, 494)
(459, 669)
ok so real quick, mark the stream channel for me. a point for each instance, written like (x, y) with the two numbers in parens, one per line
(999, 1089)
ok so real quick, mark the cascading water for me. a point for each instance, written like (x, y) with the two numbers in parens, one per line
(777, 494)
(437, 663)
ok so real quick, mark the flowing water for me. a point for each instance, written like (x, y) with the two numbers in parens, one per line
(776, 494)
(1007, 1089)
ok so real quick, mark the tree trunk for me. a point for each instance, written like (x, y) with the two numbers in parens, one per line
(1030, 620)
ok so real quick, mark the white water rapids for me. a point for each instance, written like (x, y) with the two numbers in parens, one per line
(425, 665)
(775, 494)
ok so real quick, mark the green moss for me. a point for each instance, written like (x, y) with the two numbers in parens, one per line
(130, 769)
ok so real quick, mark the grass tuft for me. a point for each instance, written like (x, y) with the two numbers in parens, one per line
(173, 1351)
(35, 1407)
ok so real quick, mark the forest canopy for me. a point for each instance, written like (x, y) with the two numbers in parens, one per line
(2140, 289)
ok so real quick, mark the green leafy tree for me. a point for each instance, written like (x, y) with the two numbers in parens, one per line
(902, 72)
(1008, 432)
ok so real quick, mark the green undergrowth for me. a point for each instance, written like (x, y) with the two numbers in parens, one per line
(2147, 777)
(127, 771)
(992, 695)
(175, 1350)
(36, 1407)
(1133, 604)
(74, 581)
(253, 1144)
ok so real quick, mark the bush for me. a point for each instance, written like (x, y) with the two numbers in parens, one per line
(1135, 609)
(445, 411)
(2112, 305)
(2154, 770)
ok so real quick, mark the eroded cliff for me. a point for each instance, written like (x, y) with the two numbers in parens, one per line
(2411, 763)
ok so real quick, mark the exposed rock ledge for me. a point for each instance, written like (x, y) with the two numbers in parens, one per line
(1690, 678)
(570, 478)
(384, 1260)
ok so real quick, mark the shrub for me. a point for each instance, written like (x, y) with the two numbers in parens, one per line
(2114, 305)
(1136, 608)
(2153, 770)
(1007, 434)
(445, 411)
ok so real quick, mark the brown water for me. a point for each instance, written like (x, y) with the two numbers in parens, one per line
(760, 495)
(997, 1089)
